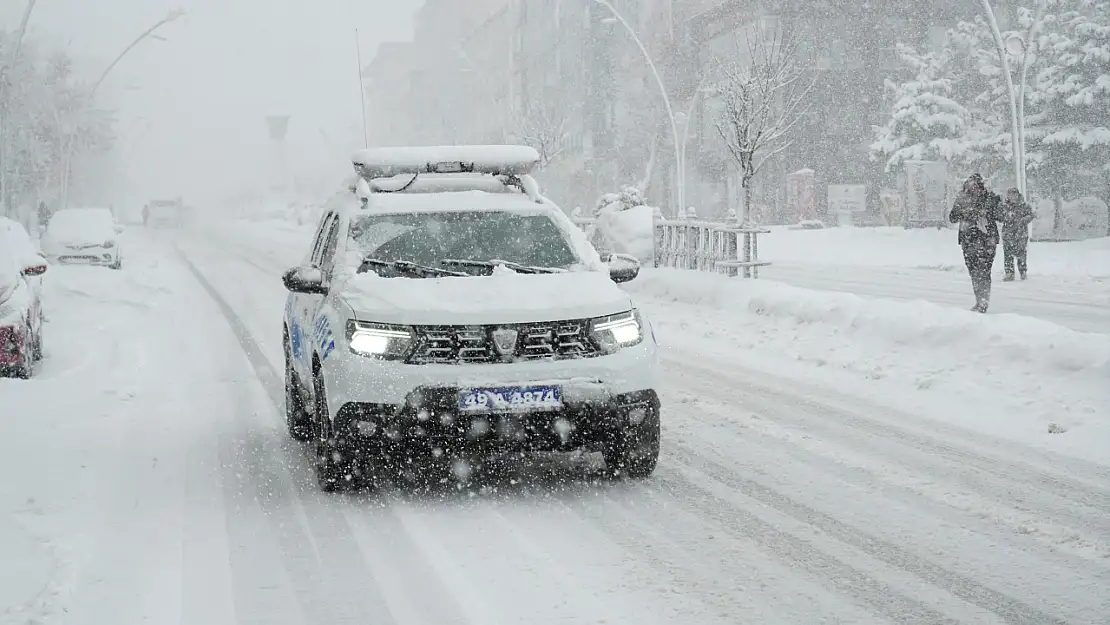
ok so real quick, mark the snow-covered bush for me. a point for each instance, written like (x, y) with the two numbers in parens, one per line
(625, 224)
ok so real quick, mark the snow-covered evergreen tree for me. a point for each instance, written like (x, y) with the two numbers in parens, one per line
(1074, 98)
(927, 122)
(956, 106)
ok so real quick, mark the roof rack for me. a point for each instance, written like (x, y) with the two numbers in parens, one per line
(495, 160)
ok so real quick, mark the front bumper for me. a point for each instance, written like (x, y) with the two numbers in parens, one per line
(431, 425)
(351, 378)
(102, 256)
(378, 401)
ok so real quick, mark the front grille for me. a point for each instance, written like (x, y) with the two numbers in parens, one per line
(556, 340)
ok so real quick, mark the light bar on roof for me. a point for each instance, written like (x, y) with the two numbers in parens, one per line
(496, 160)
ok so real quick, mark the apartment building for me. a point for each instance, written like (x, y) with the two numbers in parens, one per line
(482, 70)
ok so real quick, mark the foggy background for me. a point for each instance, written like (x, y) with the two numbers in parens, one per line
(190, 109)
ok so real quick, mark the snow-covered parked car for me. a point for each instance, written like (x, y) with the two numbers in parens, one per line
(21, 316)
(87, 236)
(447, 309)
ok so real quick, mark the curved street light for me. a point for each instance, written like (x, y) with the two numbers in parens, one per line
(68, 163)
(1015, 44)
(680, 166)
(1015, 132)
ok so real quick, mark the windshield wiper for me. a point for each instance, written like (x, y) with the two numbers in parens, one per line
(408, 268)
(451, 262)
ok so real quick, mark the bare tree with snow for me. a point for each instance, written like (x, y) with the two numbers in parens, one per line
(542, 126)
(763, 94)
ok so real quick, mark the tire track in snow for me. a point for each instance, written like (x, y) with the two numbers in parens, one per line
(826, 415)
(334, 588)
(1009, 609)
(798, 555)
(751, 449)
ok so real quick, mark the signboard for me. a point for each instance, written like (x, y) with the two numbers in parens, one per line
(847, 202)
(801, 204)
(278, 126)
(925, 194)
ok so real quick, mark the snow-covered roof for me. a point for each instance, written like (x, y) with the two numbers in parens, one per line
(515, 160)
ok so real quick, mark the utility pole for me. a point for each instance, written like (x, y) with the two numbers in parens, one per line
(361, 91)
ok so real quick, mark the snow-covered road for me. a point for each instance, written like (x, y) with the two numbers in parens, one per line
(149, 480)
(1077, 303)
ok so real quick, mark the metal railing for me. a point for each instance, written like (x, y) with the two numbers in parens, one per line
(728, 247)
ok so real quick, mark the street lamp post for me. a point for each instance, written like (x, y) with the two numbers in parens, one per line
(680, 166)
(1016, 131)
(68, 162)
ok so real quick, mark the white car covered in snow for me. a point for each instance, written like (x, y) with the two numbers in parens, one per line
(21, 315)
(88, 236)
(447, 309)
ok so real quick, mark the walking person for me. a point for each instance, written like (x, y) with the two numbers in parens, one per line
(978, 212)
(1016, 217)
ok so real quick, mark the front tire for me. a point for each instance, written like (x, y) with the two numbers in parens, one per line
(36, 347)
(333, 462)
(634, 451)
(26, 369)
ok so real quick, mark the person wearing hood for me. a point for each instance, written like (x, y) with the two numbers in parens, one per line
(1016, 217)
(978, 212)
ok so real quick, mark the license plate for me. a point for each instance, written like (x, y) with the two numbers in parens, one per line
(510, 399)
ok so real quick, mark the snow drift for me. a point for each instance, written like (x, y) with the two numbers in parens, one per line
(992, 338)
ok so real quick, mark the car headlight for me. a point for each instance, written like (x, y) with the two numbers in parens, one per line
(613, 332)
(377, 340)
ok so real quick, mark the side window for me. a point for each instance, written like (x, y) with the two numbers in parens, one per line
(327, 256)
(321, 236)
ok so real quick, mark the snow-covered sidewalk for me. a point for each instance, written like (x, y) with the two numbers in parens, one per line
(1069, 282)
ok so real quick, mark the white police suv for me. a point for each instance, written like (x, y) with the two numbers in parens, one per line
(447, 309)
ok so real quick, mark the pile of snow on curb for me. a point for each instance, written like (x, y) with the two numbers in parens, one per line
(991, 339)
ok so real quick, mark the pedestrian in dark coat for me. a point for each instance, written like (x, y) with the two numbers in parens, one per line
(978, 212)
(1016, 217)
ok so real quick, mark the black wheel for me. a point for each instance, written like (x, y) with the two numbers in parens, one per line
(36, 347)
(634, 452)
(298, 419)
(116, 265)
(26, 368)
(333, 463)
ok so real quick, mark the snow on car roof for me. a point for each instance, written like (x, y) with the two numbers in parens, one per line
(485, 159)
(433, 183)
(469, 200)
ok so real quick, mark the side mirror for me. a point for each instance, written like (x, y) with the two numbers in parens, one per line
(34, 270)
(622, 267)
(307, 280)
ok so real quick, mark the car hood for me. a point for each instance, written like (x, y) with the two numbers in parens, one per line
(505, 297)
(80, 242)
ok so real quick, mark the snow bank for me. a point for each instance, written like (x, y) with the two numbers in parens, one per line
(983, 340)
(922, 249)
(630, 231)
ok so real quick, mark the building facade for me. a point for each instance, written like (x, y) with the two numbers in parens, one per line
(505, 70)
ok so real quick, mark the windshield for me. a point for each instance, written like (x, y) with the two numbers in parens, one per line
(431, 238)
(82, 224)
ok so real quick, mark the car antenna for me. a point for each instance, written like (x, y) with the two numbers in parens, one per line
(361, 89)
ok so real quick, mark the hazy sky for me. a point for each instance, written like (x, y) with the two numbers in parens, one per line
(192, 107)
